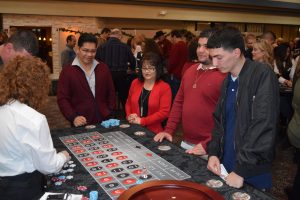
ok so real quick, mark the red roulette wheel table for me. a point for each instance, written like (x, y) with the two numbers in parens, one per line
(169, 190)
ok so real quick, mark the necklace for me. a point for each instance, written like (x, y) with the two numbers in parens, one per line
(143, 100)
(198, 77)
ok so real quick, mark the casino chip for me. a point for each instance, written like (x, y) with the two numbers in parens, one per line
(214, 183)
(90, 126)
(82, 188)
(124, 126)
(72, 165)
(58, 183)
(69, 177)
(240, 196)
(164, 148)
(139, 133)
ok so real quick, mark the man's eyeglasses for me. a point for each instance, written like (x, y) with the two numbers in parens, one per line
(88, 50)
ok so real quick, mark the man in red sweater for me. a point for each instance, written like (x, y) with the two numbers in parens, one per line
(195, 102)
(86, 93)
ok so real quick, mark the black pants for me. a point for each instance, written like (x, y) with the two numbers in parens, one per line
(28, 186)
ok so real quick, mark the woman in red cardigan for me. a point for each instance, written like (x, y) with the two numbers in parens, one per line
(149, 98)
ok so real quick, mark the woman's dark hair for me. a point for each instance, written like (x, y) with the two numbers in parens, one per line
(280, 57)
(154, 60)
(192, 50)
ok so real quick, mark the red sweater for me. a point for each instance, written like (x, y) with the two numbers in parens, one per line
(196, 105)
(178, 56)
(159, 104)
(75, 98)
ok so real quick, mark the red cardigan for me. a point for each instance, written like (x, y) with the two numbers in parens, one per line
(159, 104)
(75, 98)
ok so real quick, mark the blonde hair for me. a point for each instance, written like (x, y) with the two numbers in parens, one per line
(267, 49)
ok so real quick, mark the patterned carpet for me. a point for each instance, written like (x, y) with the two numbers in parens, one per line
(283, 167)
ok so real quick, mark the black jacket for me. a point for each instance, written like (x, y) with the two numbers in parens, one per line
(257, 110)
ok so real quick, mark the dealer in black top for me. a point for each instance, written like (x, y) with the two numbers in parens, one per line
(246, 114)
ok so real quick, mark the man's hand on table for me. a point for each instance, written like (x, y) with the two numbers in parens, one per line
(66, 154)
(197, 150)
(234, 180)
(79, 121)
(160, 136)
(213, 165)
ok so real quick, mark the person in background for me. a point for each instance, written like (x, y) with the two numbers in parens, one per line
(86, 92)
(243, 137)
(149, 99)
(270, 37)
(120, 60)
(283, 64)
(263, 52)
(104, 36)
(164, 45)
(249, 40)
(178, 56)
(68, 54)
(195, 101)
(294, 133)
(23, 43)
(26, 147)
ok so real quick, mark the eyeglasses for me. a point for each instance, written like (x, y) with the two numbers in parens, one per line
(93, 51)
(149, 69)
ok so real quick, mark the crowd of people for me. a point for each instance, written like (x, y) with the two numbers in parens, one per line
(221, 86)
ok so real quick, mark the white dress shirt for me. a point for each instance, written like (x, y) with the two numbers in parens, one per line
(25, 142)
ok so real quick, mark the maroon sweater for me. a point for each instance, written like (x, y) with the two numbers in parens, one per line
(196, 105)
(178, 56)
(75, 98)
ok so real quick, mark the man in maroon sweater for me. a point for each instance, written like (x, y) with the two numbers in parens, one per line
(195, 102)
(86, 93)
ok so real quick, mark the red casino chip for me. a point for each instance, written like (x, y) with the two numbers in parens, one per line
(129, 181)
(89, 164)
(112, 165)
(87, 159)
(105, 179)
(97, 152)
(121, 157)
(102, 173)
(82, 188)
(116, 153)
